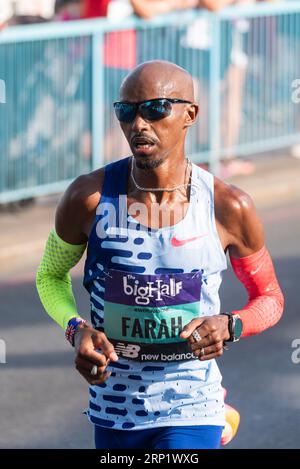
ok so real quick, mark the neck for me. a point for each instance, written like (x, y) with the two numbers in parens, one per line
(168, 175)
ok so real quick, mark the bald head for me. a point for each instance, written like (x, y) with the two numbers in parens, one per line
(157, 79)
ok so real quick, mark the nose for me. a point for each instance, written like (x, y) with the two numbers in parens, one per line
(139, 124)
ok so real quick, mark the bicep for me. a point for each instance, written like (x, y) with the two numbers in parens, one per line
(70, 214)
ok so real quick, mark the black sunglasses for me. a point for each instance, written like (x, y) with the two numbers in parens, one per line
(152, 109)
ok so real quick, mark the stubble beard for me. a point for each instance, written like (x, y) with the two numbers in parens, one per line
(147, 164)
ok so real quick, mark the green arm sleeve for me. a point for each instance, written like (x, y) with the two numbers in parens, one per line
(53, 279)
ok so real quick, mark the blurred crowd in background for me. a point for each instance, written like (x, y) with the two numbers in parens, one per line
(28, 12)
(123, 50)
(38, 11)
(14, 12)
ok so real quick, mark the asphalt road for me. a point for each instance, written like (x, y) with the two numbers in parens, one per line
(42, 396)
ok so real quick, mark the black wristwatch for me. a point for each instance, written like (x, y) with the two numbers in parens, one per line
(235, 327)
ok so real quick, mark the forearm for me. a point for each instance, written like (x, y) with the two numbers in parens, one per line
(265, 298)
(53, 279)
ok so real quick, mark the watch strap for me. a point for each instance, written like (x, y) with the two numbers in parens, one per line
(230, 326)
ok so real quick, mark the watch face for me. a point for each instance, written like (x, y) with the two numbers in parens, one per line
(238, 328)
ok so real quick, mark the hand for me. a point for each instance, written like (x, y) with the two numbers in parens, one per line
(87, 341)
(213, 331)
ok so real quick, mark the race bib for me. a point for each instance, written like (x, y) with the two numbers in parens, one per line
(144, 314)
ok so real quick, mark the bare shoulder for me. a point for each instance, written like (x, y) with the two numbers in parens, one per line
(231, 202)
(238, 220)
(77, 207)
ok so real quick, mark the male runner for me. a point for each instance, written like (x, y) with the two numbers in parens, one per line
(157, 229)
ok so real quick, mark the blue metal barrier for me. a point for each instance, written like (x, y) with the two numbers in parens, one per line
(61, 79)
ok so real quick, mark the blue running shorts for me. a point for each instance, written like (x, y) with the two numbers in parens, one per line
(190, 437)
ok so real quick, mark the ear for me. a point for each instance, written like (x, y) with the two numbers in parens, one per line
(191, 114)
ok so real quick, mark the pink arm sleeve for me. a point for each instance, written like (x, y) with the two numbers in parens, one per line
(265, 299)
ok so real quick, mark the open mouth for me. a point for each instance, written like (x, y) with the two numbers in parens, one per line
(142, 143)
(143, 146)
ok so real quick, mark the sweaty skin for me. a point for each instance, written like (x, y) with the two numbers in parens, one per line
(162, 165)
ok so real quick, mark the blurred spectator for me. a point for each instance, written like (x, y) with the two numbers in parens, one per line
(232, 70)
(18, 12)
(67, 10)
(17, 20)
(143, 8)
(234, 84)
(124, 49)
(232, 74)
(94, 8)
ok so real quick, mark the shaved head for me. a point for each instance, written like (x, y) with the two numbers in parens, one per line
(153, 141)
(157, 79)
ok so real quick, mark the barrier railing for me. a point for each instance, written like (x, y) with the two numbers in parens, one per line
(60, 80)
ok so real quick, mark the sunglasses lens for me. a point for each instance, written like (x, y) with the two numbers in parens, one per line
(156, 109)
(125, 112)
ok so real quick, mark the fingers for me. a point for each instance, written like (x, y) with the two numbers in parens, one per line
(89, 339)
(207, 328)
(91, 356)
(87, 357)
(190, 327)
(210, 339)
(210, 356)
(101, 341)
(211, 344)
(207, 353)
(204, 326)
(85, 367)
(211, 331)
(97, 379)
